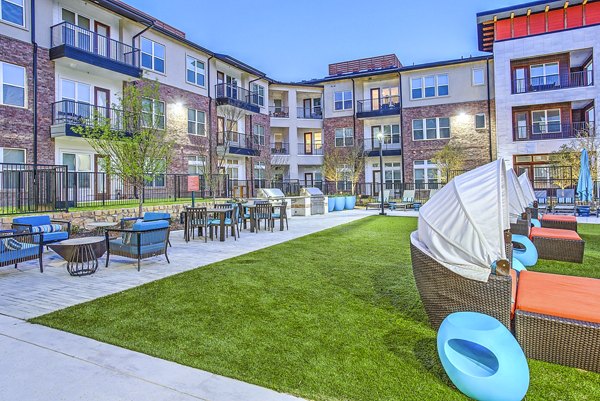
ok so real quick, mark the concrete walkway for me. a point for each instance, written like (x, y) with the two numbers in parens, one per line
(40, 363)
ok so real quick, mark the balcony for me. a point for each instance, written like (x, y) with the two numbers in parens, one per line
(315, 113)
(546, 131)
(310, 149)
(377, 107)
(236, 143)
(544, 83)
(228, 94)
(372, 147)
(71, 41)
(67, 114)
(279, 112)
(280, 148)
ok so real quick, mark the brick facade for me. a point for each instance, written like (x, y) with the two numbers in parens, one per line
(16, 124)
(331, 124)
(475, 143)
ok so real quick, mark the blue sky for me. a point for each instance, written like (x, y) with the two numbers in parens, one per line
(291, 40)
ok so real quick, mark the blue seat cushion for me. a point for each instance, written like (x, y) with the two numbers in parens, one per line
(149, 225)
(27, 250)
(53, 237)
(153, 216)
(276, 215)
(117, 245)
(33, 220)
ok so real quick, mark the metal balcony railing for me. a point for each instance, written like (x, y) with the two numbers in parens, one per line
(236, 139)
(384, 104)
(71, 35)
(312, 113)
(574, 79)
(389, 143)
(235, 92)
(85, 114)
(309, 149)
(279, 111)
(280, 148)
(551, 130)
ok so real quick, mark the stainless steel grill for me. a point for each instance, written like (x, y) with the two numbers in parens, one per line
(271, 193)
(317, 199)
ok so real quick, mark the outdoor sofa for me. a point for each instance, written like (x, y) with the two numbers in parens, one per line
(21, 247)
(54, 230)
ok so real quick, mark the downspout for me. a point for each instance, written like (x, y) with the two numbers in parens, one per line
(489, 105)
(210, 138)
(137, 35)
(35, 89)
(401, 126)
(354, 110)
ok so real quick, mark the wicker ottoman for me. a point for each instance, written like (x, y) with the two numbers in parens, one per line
(556, 244)
(559, 221)
(557, 319)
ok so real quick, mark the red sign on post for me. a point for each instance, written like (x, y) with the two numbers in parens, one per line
(193, 183)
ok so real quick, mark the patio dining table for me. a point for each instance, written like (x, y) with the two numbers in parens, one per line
(222, 215)
(252, 208)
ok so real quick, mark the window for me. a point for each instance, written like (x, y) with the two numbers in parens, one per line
(12, 179)
(157, 180)
(478, 77)
(259, 171)
(391, 134)
(196, 165)
(76, 101)
(259, 134)
(545, 121)
(258, 94)
(232, 168)
(479, 121)
(416, 85)
(431, 128)
(342, 100)
(429, 86)
(544, 74)
(519, 83)
(389, 95)
(153, 55)
(194, 71)
(425, 172)
(344, 137)
(12, 80)
(153, 114)
(196, 122)
(589, 73)
(521, 119)
(80, 167)
(13, 11)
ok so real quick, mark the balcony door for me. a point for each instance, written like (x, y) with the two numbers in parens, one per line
(77, 30)
(376, 182)
(232, 87)
(102, 45)
(375, 96)
(76, 101)
(309, 180)
(102, 101)
(308, 143)
(306, 107)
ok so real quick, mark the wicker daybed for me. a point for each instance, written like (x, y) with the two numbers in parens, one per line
(563, 222)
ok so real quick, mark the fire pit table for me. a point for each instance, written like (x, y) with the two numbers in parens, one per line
(81, 254)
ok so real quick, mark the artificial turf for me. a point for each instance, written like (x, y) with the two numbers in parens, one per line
(330, 316)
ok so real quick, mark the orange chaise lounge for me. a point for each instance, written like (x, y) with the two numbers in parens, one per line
(559, 221)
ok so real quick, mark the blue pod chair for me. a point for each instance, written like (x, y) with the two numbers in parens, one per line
(535, 223)
(482, 358)
(525, 252)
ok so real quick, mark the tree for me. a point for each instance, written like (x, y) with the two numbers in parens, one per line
(569, 155)
(135, 142)
(448, 159)
(355, 160)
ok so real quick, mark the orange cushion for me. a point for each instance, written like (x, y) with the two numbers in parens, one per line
(558, 217)
(561, 296)
(513, 293)
(556, 233)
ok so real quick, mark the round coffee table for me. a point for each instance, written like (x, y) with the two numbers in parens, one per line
(99, 225)
(81, 254)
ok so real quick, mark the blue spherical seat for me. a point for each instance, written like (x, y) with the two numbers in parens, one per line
(525, 251)
(482, 358)
(535, 223)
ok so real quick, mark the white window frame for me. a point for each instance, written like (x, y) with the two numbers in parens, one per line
(425, 165)
(346, 97)
(544, 73)
(258, 131)
(24, 87)
(198, 124)
(258, 94)
(347, 137)
(9, 148)
(259, 170)
(196, 71)
(22, 11)
(484, 120)
(387, 139)
(155, 115)
(197, 163)
(153, 56)
(438, 128)
(546, 122)
(423, 86)
(473, 76)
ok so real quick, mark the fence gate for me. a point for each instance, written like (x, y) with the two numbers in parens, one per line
(29, 188)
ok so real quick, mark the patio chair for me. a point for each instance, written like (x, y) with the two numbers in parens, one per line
(557, 319)
(54, 230)
(565, 201)
(196, 220)
(542, 200)
(386, 200)
(143, 240)
(281, 214)
(264, 212)
(17, 248)
(148, 216)
(231, 219)
(408, 199)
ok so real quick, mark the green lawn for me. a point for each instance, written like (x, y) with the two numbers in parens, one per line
(331, 316)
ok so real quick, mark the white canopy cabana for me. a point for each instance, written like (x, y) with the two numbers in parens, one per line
(463, 226)
(517, 202)
(527, 188)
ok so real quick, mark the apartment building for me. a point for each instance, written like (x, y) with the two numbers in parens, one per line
(545, 83)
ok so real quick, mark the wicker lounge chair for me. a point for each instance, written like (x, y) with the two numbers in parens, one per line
(557, 319)
(551, 243)
(444, 292)
(559, 221)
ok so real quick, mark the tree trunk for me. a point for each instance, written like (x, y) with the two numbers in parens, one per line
(141, 201)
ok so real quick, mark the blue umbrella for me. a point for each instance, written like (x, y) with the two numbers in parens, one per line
(585, 186)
